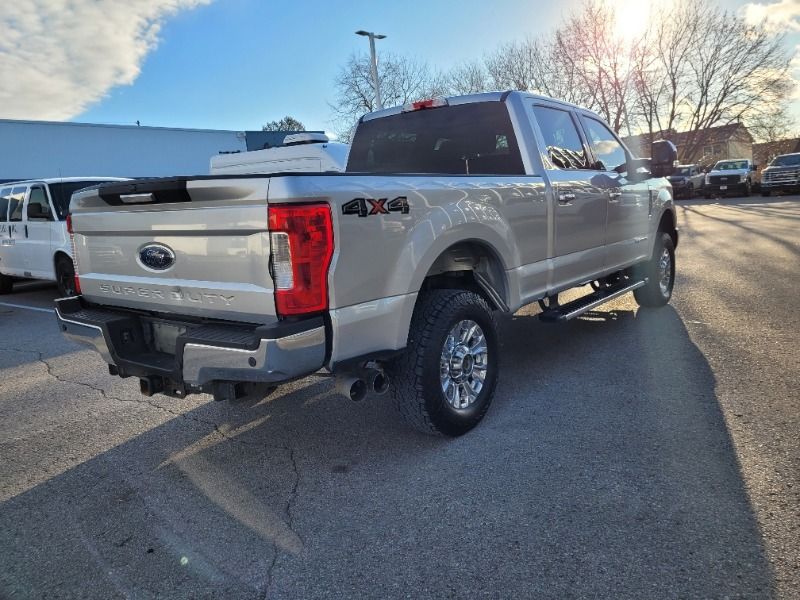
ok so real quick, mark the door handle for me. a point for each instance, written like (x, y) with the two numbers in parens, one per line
(565, 197)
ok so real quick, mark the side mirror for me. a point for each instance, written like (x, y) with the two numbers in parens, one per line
(35, 212)
(664, 158)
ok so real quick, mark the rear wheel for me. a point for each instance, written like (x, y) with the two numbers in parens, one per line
(6, 284)
(65, 277)
(660, 273)
(444, 381)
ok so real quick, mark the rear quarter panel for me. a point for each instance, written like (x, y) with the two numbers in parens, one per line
(387, 255)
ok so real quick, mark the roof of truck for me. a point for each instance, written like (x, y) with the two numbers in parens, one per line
(481, 97)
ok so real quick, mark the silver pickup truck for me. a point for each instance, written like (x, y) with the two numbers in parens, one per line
(389, 275)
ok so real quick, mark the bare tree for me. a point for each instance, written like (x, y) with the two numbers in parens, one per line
(466, 78)
(535, 65)
(287, 123)
(773, 126)
(702, 67)
(402, 80)
(581, 61)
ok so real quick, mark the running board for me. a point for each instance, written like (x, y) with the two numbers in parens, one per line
(584, 304)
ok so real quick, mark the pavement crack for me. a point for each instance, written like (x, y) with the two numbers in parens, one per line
(143, 402)
(289, 512)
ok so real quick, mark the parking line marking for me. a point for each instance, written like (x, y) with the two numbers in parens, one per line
(10, 305)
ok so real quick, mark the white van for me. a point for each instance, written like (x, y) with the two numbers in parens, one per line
(300, 153)
(34, 243)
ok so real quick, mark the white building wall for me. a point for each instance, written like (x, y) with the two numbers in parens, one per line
(39, 149)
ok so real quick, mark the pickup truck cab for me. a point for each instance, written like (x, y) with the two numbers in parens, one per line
(34, 242)
(389, 275)
(687, 180)
(782, 175)
(731, 176)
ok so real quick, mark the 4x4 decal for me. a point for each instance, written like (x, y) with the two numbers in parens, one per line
(365, 207)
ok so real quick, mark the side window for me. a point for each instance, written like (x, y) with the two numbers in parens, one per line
(15, 205)
(38, 200)
(5, 194)
(606, 147)
(564, 146)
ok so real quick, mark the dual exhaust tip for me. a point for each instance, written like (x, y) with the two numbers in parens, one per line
(357, 386)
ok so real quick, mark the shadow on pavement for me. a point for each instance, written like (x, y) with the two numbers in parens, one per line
(604, 469)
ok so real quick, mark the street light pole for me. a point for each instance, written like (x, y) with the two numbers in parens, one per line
(374, 63)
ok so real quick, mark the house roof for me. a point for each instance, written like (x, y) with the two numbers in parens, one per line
(711, 135)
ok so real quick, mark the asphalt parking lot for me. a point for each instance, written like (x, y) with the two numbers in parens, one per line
(628, 454)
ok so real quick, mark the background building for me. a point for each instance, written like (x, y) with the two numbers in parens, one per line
(39, 149)
(707, 145)
(764, 153)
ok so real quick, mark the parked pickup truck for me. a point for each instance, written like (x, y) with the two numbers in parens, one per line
(389, 275)
(782, 175)
(726, 176)
(686, 180)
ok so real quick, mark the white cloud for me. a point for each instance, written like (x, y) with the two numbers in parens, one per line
(783, 15)
(57, 57)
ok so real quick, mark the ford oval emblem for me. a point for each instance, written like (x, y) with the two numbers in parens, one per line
(157, 257)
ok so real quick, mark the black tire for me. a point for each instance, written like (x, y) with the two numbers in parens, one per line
(65, 277)
(6, 284)
(653, 294)
(416, 382)
(748, 188)
(766, 193)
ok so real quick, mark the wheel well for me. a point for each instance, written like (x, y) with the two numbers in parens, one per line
(668, 225)
(472, 266)
(58, 255)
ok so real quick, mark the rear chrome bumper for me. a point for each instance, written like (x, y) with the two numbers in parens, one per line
(203, 353)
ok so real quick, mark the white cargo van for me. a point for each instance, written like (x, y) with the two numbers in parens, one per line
(34, 243)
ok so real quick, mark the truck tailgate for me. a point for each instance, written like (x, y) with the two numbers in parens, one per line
(188, 246)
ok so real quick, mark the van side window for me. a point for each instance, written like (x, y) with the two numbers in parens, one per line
(15, 205)
(609, 152)
(39, 197)
(5, 193)
(564, 147)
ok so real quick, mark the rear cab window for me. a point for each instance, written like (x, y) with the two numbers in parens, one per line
(474, 139)
(565, 150)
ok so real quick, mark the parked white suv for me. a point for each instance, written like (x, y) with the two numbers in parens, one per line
(34, 243)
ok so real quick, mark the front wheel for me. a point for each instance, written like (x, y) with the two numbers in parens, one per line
(65, 277)
(660, 274)
(444, 381)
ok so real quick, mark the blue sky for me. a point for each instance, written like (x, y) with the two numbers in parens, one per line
(239, 63)
(236, 64)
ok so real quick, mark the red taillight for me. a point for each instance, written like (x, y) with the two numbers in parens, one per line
(74, 254)
(301, 237)
(423, 104)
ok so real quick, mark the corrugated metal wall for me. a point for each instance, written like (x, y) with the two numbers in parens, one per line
(35, 149)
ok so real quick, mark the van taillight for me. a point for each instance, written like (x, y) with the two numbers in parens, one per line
(74, 254)
(301, 239)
